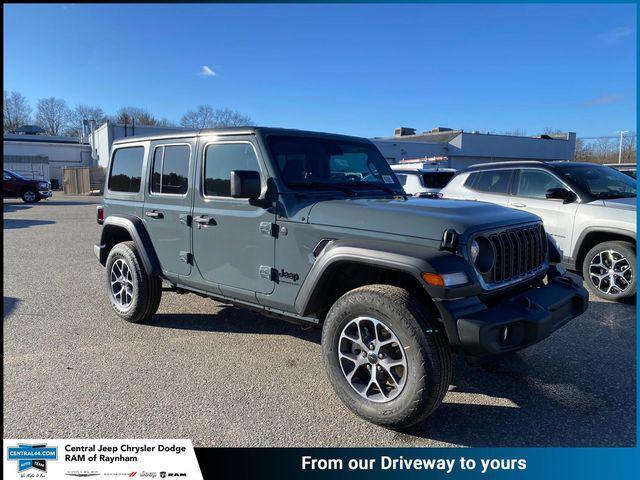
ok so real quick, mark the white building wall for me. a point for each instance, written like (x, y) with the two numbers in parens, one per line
(104, 136)
(60, 155)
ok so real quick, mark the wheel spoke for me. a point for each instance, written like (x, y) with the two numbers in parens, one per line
(383, 354)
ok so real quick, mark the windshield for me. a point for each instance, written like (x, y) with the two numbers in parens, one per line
(18, 176)
(599, 181)
(310, 162)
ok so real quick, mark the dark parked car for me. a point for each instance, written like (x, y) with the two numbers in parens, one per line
(16, 186)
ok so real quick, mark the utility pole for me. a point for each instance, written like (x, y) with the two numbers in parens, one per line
(621, 132)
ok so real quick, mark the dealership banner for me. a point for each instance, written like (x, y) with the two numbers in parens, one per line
(93, 458)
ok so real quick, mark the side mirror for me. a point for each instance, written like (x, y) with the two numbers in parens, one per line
(245, 184)
(561, 194)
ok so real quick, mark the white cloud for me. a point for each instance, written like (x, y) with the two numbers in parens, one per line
(604, 99)
(206, 71)
(618, 33)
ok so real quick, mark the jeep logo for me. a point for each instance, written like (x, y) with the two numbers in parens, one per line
(289, 275)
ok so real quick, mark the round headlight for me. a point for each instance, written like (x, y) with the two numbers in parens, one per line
(475, 251)
(485, 256)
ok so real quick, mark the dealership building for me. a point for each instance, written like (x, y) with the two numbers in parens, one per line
(459, 149)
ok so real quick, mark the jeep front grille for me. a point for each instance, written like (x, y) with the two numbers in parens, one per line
(519, 253)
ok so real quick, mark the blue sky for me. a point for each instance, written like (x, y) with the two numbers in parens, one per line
(356, 69)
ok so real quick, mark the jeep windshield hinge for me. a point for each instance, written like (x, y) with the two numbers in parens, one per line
(268, 272)
(186, 257)
(185, 218)
(269, 229)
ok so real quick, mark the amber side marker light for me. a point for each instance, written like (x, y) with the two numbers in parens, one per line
(446, 279)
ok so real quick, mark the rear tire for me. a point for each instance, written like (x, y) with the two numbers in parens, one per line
(609, 270)
(410, 393)
(133, 293)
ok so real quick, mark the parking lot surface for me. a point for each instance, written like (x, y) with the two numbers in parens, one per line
(225, 377)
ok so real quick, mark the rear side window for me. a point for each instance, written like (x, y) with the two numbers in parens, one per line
(126, 170)
(171, 170)
(220, 159)
(402, 178)
(493, 181)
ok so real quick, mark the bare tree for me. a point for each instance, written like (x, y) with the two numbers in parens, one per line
(205, 116)
(15, 111)
(230, 118)
(53, 115)
(137, 115)
(202, 117)
(84, 112)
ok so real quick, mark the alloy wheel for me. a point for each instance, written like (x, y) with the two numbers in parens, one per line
(610, 272)
(121, 283)
(372, 359)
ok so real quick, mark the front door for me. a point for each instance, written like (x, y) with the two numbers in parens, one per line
(9, 184)
(232, 242)
(167, 205)
(530, 188)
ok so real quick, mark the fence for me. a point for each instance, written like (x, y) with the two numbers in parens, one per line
(83, 180)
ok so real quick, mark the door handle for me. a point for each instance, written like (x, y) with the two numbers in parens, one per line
(518, 205)
(154, 214)
(204, 220)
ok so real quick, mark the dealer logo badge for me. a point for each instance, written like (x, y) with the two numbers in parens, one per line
(32, 456)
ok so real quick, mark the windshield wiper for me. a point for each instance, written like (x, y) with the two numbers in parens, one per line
(384, 188)
(336, 186)
(613, 196)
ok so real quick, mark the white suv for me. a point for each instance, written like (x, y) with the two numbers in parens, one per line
(589, 209)
(422, 180)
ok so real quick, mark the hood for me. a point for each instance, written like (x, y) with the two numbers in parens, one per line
(416, 217)
(623, 203)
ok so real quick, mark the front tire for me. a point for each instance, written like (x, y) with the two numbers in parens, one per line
(609, 270)
(133, 294)
(385, 357)
(30, 196)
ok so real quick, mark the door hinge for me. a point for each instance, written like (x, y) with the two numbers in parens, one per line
(269, 229)
(267, 272)
(186, 257)
(186, 219)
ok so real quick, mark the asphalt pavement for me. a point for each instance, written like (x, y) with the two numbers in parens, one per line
(226, 377)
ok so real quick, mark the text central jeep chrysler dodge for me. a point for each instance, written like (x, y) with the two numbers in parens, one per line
(315, 228)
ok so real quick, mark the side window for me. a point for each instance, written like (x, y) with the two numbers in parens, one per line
(402, 178)
(535, 183)
(171, 170)
(219, 160)
(126, 170)
(493, 181)
(470, 180)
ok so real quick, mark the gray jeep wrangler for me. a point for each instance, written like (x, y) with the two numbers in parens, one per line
(315, 228)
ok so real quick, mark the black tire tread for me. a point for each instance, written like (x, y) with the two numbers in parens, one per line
(434, 344)
(149, 288)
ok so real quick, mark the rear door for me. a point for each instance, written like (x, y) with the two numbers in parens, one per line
(490, 186)
(233, 244)
(167, 206)
(529, 194)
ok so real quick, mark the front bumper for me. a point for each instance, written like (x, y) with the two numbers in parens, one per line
(515, 322)
(45, 193)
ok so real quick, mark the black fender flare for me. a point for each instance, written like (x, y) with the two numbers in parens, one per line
(409, 259)
(138, 233)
